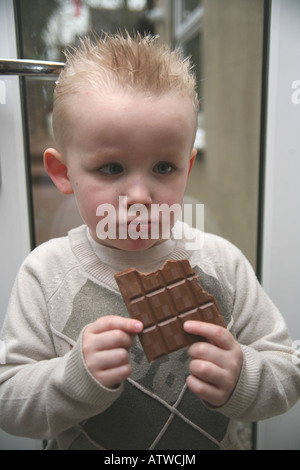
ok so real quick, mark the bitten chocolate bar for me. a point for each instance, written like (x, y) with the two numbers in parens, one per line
(163, 300)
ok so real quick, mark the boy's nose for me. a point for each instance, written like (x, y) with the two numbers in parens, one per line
(138, 192)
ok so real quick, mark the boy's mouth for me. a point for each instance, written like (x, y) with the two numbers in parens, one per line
(134, 227)
(138, 225)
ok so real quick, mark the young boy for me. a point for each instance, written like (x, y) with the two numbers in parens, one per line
(124, 121)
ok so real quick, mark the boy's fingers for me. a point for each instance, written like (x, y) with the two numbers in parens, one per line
(112, 339)
(113, 377)
(217, 335)
(119, 358)
(113, 322)
(206, 391)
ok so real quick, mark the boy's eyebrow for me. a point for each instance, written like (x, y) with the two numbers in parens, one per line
(104, 152)
(114, 151)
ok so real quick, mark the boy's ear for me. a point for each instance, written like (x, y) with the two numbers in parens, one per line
(192, 160)
(57, 170)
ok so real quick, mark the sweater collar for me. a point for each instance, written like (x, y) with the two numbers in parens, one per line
(103, 262)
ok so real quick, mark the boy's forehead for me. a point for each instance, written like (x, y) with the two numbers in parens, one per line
(92, 114)
(96, 102)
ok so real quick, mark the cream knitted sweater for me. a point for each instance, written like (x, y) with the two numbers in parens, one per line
(46, 391)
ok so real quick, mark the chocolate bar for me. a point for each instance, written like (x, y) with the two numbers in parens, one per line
(163, 300)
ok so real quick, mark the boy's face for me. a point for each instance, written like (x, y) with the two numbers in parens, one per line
(131, 146)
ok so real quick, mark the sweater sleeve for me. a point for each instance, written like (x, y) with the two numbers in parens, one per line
(269, 381)
(42, 395)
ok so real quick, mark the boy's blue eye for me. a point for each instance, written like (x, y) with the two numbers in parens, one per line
(163, 168)
(111, 169)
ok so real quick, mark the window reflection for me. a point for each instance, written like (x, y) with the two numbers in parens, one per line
(189, 6)
(48, 27)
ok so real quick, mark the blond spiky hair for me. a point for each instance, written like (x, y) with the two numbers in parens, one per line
(121, 62)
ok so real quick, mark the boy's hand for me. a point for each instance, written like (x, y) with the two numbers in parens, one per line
(216, 365)
(105, 345)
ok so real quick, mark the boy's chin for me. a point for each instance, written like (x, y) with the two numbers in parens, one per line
(130, 244)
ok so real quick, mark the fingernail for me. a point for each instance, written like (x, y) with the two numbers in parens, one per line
(187, 326)
(138, 326)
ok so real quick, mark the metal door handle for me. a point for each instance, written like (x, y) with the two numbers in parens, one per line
(29, 67)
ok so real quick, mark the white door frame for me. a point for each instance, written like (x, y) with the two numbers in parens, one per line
(14, 215)
(14, 207)
(281, 224)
